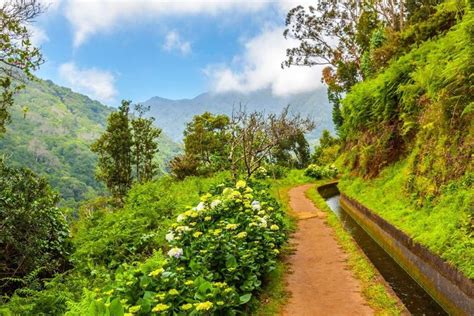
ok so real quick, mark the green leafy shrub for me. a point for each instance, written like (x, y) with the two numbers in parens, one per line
(320, 172)
(261, 173)
(108, 238)
(217, 255)
(328, 149)
(273, 171)
(277, 172)
(33, 231)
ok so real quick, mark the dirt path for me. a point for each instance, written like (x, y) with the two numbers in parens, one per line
(320, 282)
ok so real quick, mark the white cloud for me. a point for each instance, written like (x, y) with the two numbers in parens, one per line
(173, 41)
(91, 17)
(97, 84)
(50, 5)
(259, 67)
(38, 35)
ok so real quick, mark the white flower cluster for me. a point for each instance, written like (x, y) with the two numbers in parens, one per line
(190, 219)
(175, 252)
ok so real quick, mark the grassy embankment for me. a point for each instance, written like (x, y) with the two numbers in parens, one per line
(443, 225)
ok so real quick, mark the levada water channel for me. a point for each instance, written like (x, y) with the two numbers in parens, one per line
(413, 296)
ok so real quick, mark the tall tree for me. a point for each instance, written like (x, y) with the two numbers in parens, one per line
(292, 151)
(327, 150)
(205, 146)
(254, 136)
(18, 56)
(114, 150)
(144, 147)
(336, 34)
(327, 36)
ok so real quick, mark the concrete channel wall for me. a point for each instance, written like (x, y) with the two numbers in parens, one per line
(447, 285)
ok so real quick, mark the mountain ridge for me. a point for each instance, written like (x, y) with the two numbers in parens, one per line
(53, 137)
(173, 114)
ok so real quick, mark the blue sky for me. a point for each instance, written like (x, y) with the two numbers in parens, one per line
(117, 49)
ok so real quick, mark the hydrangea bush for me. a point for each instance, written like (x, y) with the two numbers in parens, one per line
(320, 172)
(218, 254)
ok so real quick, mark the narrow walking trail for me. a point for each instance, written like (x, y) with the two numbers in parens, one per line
(320, 281)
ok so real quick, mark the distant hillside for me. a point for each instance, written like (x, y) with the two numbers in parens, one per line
(172, 115)
(54, 137)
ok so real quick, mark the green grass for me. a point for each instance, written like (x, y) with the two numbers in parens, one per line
(444, 225)
(374, 289)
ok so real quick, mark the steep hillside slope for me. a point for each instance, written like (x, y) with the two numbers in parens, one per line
(172, 115)
(409, 140)
(54, 135)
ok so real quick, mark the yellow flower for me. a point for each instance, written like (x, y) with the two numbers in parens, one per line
(248, 196)
(108, 293)
(160, 308)
(217, 232)
(241, 235)
(227, 191)
(241, 184)
(197, 234)
(194, 214)
(173, 292)
(156, 272)
(227, 290)
(276, 251)
(206, 197)
(274, 227)
(235, 195)
(180, 269)
(220, 284)
(231, 226)
(207, 218)
(160, 296)
(134, 309)
(204, 306)
(185, 307)
(189, 282)
(180, 218)
(220, 303)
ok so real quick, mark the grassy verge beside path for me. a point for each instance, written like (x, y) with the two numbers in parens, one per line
(374, 289)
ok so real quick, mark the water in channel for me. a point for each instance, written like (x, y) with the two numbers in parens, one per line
(415, 299)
